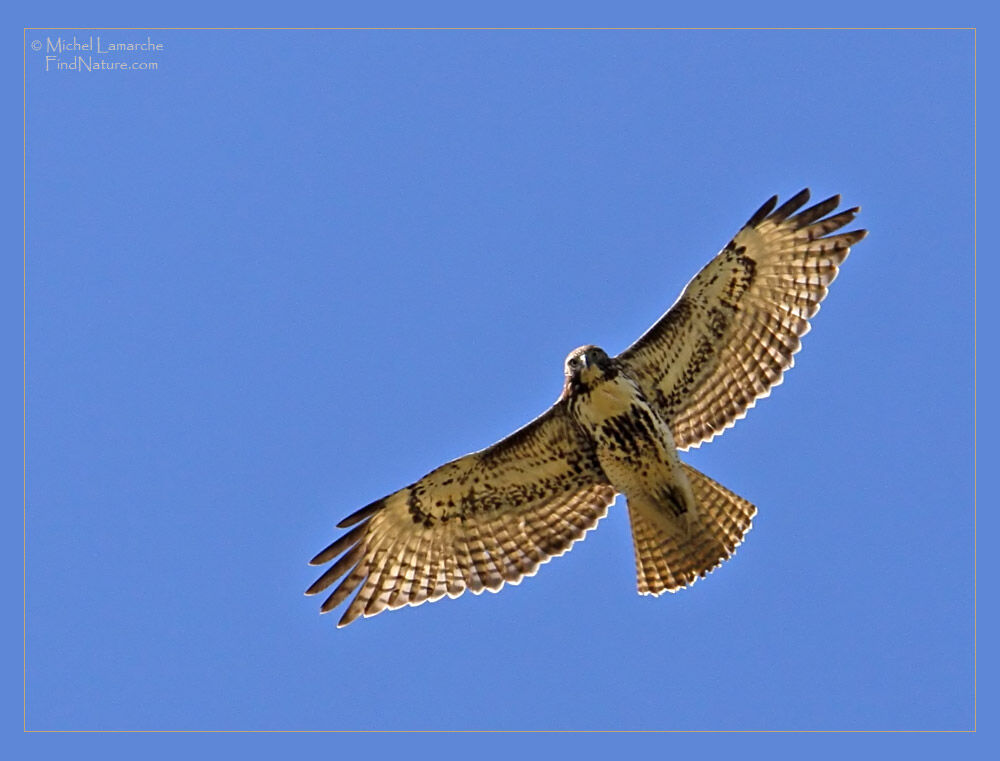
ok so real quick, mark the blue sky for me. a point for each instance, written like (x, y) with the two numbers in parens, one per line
(286, 273)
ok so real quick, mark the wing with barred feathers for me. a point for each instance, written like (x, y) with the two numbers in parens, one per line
(734, 330)
(488, 518)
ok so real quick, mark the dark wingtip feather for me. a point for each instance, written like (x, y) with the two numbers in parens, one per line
(761, 214)
(817, 211)
(359, 515)
(341, 544)
(341, 593)
(791, 205)
(338, 569)
(848, 215)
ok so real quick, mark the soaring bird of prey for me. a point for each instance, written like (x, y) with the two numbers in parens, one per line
(496, 515)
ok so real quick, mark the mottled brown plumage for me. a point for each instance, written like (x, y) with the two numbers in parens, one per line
(492, 517)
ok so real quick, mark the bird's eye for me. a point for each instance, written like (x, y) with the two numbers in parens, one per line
(574, 363)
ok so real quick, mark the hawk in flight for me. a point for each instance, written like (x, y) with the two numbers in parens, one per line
(495, 515)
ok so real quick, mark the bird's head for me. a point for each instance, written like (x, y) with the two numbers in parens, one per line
(585, 367)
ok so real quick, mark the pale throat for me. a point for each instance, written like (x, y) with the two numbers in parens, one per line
(611, 397)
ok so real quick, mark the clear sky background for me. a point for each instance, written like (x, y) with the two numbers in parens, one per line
(286, 273)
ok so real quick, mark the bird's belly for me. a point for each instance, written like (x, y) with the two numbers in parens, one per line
(646, 469)
(636, 451)
(634, 445)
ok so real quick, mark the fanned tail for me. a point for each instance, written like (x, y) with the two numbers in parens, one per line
(666, 563)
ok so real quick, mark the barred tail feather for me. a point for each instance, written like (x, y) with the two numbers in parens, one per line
(666, 563)
(728, 515)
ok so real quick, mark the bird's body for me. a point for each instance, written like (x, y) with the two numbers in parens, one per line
(634, 444)
(493, 516)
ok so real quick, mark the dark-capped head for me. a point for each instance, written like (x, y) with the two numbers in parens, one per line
(585, 367)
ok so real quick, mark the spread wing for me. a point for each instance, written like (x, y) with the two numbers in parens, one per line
(734, 330)
(484, 519)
